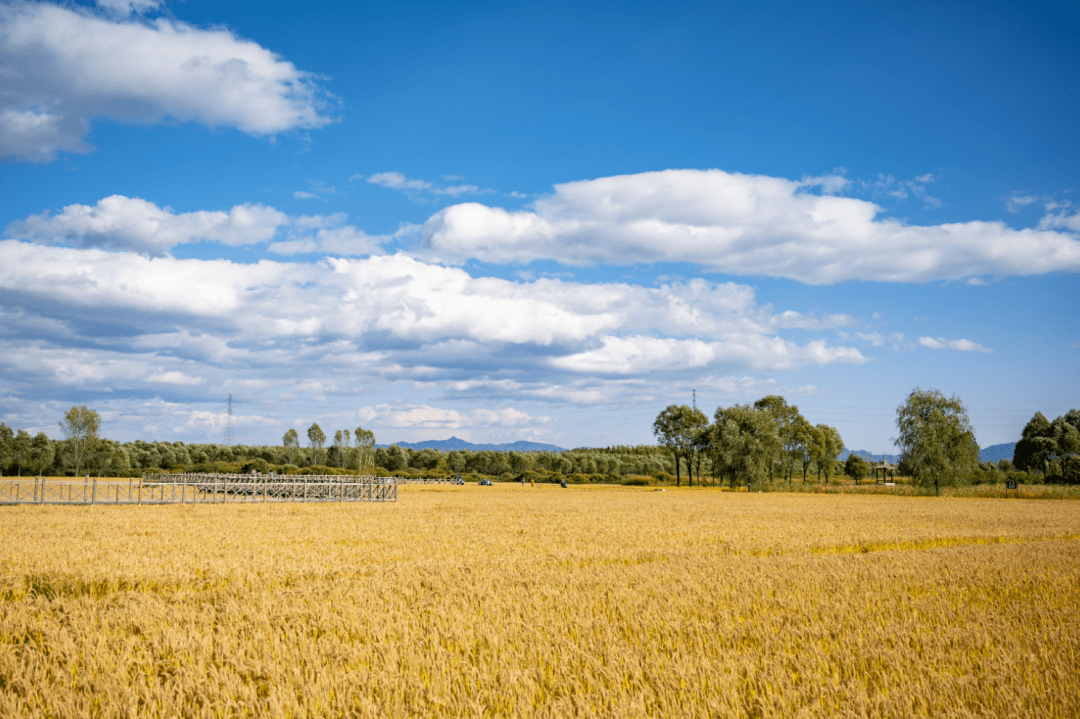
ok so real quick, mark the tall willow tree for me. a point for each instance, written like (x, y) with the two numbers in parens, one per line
(937, 441)
(365, 450)
(81, 426)
(677, 428)
(291, 442)
(316, 438)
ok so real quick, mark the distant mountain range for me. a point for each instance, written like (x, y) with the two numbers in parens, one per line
(445, 445)
(893, 458)
(993, 453)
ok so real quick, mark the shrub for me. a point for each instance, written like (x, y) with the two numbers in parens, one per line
(321, 469)
(258, 464)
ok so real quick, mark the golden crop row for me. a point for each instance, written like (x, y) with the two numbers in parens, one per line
(516, 601)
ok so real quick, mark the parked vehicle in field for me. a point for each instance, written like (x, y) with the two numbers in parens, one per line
(486, 483)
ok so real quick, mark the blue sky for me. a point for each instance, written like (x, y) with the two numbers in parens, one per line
(548, 221)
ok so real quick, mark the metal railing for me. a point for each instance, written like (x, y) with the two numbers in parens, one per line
(200, 489)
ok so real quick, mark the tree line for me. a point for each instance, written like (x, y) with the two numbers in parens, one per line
(744, 445)
(747, 444)
(346, 450)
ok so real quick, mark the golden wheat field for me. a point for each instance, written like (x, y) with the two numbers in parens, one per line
(517, 601)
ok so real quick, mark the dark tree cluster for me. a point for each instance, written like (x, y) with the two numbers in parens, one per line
(1051, 449)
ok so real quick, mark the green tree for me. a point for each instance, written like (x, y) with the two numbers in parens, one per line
(827, 445)
(856, 467)
(804, 445)
(291, 442)
(7, 446)
(789, 422)
(1036, 445)
(21, 447)
(338, 448)
(676, 428)
(746, 440)
(937, 441)
(455, 461)
(81, 426)
(395, 458)
(1067, 441)
(42, 452)
(316, 438)
(365, 450)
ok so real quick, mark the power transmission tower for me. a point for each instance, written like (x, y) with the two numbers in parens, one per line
(228, 425)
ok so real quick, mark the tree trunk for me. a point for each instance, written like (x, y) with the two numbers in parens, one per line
(677, 469)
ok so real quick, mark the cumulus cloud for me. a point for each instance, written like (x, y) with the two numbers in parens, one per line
(743, 225)
(963, 345)
(131, 223)
(185, 328)
(64, 65)
(637, 354)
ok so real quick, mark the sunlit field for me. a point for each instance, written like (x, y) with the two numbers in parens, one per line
(521, 601)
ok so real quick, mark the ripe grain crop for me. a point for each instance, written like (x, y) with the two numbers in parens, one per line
(517, 601)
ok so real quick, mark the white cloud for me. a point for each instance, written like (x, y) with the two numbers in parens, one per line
(428, 417)
(333, 237)
(302, 195)
(175, 378)
(790, 319)
(829, 184)
(1015, 201)
(896, 339)
(398, 181)
(131, 223)
(1060, 215)
(899, 189)
(128, 7)
(63, 66)
(637, 354)
(941, 343)
(184, 326)
(745, 225)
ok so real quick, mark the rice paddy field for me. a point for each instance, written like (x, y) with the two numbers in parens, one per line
(521, 601)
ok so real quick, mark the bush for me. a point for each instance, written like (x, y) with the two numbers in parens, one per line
(258, 464)
(666, 477)
(321, 469)
(635, 481)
